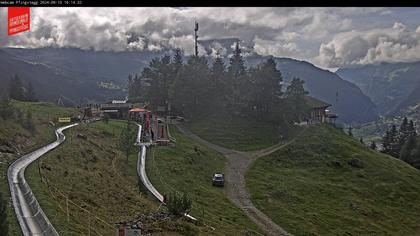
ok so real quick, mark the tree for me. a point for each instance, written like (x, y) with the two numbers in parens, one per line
(373, 145)
(390, 142)
(4, 225)
(127, 139)
(17, 90)
(407, 149)
(189, 92)
(160, 73)
(386, 143)
(6, 109)
(411, 129)
(236, 67)
(295, 99)
(177, 61)
(236, 75)
(30, 94)
(130, 87)
(29, 123)
(361, 140)
(350, 131)
(218, 81)
(267, 88)
(296, 88)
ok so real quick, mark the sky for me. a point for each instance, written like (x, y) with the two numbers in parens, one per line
(327, 37)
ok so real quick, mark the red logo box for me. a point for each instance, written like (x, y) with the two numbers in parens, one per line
(19, 20)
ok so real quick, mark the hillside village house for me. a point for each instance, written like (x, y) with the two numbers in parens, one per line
(318, 111)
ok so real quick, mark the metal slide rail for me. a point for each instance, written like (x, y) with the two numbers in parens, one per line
(141, 171)
(31, 217)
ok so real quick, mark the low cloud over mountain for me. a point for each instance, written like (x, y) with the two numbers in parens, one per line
(327, 37)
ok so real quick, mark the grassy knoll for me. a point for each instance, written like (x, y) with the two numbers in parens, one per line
(186, 170)
(303, 190)
(94, 174)
(16, 139)
(238, 133)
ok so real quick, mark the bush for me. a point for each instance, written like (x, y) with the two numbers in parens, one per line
(29, 123)
(6, 109)
(178, 203)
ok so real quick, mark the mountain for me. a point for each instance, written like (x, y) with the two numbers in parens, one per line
(50, 81)
(97, 76)
(347, 100)
(392, 87)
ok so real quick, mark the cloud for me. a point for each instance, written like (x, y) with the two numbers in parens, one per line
(276, 47)
(392, 44)
(324, 36)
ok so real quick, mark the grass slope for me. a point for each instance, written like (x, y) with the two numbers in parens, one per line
(301, 191)
(237, 133)
(13, 134)
(94, 174)
(183, 169)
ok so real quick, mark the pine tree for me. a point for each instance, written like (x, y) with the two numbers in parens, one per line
(6, 109)
(130, 86)
(403, 132)
(297, 107)
(267, 87)
(30, 94)
(394, 142)
(236, 76)
(350, 131)
(408, 148)
(373, 145)
(177, 61)
(236, 63)
(411, 129)
(386, 143)
(17, 90)
(218, 75)
(296, 88)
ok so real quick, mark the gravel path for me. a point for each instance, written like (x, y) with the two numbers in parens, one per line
(235, 190)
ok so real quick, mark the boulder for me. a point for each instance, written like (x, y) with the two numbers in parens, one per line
(355, 162)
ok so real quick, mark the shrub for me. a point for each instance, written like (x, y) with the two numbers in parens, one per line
(178, 203)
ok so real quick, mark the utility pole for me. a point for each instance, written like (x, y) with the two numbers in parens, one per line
(196, 38)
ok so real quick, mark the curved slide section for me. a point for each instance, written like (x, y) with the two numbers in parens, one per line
(31, 217)
(141, 171)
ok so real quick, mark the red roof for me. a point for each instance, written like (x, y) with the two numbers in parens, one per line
(137, 110)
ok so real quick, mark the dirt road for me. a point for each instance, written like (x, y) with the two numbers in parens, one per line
(235, 190)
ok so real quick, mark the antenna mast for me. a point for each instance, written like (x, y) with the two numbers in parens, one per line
(196, 38)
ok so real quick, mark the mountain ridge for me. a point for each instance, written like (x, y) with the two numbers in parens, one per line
(87, 68)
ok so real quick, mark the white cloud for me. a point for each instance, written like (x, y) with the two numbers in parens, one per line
(393, 44)
(275, 47)
(324, 36)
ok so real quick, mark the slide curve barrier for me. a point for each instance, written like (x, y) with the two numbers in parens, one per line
(31, 217)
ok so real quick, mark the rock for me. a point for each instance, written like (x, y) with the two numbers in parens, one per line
(355, 162)
(82, 136)
(336, 163)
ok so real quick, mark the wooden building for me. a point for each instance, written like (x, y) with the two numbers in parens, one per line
(318, 111)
